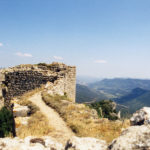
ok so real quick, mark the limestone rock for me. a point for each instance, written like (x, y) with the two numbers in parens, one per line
(56, 88)
(30, 143)
(87, 143)
(141, 117)
(46, 141)
(1, 102)
(17, 144)
(20, 111)
(133, 138)
(2, 77)
(52, 143)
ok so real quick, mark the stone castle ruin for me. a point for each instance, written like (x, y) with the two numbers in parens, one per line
(57, 77)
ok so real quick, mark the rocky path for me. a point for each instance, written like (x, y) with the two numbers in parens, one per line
(62, 132)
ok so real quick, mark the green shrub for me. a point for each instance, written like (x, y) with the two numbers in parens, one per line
(6, 122)
(105, 108)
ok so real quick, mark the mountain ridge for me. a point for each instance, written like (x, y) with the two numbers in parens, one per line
(120, 86)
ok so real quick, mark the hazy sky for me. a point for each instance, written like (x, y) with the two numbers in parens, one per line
(103, 38)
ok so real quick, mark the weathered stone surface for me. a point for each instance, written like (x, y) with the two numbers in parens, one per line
(30, 143)
(56, 88)
(133, 138)
(141, 117)
(20, 111)
(2, 77)
(1, 93)
(1, 102)
(76, 143)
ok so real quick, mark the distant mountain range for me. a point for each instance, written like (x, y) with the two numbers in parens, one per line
(136, 99)
(133, 93)
(119, 87)
(86, 94)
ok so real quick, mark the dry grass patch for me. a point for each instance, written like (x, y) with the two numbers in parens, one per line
(38, 125)
(84, 121)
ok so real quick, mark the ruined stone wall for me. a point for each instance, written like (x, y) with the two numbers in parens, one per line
(70, 83)
(18, 80)
(1, 94)
(65, 84)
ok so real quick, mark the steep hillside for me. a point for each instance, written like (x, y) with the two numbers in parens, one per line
(135, 93)
(86, 94)
(136, 99)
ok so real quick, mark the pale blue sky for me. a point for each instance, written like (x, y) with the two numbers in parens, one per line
(103, 38)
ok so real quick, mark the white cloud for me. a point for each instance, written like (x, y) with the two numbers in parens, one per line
(1, 44)
(100, 61)
(57, 57)
(23, 54)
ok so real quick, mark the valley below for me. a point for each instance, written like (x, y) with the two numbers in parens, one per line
(131, 93)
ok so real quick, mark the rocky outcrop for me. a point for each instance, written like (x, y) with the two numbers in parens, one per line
(20, 111)
(30, 143)
(136, 137)
(133, 138)
(48, 143)
(76, 143)
(141, 117)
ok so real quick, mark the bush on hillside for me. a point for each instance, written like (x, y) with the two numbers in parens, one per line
(105, 109)
(6, 122)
